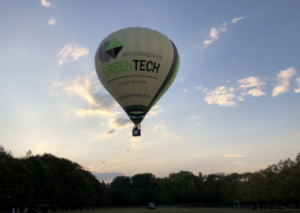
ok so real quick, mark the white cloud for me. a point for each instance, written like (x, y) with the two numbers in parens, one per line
(298, 85)
(92, 169)
(256, 92)
(71, 53)
(235, 20)
(247, 83)
(222, 96)
(46, 3)
(214, 34)
(89, 90)
(235, 156)
(52, 21)
(241, 98)
(283, 78)
(250, 82)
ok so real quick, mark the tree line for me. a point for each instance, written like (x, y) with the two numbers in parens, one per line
(47, 179)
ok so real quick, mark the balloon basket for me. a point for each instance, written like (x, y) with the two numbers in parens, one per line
(136, 131)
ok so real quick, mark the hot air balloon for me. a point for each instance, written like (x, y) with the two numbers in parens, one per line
(136, 66)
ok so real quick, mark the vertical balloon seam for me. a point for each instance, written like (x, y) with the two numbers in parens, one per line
(170, 77)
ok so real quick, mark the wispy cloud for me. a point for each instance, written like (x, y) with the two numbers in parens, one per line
(164, 132)
(89, 90)
(223, 96)
(214, 34)
(46, 3)
(71, 53)
(159, 127)
(250, 82)
(240, 162)
(246, 83)
(298, 85)
(52, 21)
(235, 156)
(119, 123)
(108, 134)
(235, 20)
(283, 78)
(247, 87)
(155, 110)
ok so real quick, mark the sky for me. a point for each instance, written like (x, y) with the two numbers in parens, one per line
(233, 106)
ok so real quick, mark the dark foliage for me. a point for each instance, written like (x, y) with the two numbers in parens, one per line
(46, 179)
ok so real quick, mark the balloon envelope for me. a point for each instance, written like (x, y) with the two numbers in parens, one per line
(136, 66)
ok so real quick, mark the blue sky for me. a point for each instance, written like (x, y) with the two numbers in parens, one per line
(233, 107)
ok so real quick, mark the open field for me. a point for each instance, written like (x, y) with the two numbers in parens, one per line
(182, 210)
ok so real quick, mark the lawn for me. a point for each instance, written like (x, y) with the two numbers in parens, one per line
(181, 210)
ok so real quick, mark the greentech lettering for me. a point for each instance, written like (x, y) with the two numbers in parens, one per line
(137, 65)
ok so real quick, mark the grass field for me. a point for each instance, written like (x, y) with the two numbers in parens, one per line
(182, 210)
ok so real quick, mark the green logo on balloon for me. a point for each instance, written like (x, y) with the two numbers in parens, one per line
(114, 48)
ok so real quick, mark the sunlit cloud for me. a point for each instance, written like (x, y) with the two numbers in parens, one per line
(298, 85)
(235, 156)
(250, 82)
(52, 21)
(256, 92)
(283, 78)
(235, 20)
(89, 90)
(46, 3)
(223, 96)
(240, 162)
(119, 123)
(229, 96)
(92, 169)
(71, 53)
